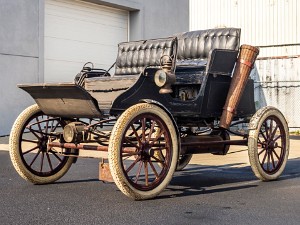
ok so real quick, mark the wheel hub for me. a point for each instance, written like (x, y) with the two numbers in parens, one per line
(145, 151)
(273, 144)
(270, 145)
(43, 143)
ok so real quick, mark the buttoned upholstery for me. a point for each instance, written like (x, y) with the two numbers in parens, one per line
(191, 49)
(134, 56)
(197, 45)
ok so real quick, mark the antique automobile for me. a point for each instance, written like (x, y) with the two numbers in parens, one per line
(167, 99)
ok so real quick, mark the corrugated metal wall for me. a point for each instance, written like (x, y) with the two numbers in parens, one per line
(277, 83)
(274, 25)
(263, 22)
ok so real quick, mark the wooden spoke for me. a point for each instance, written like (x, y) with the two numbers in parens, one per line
(273, 161)
(264, 159)
(270, 129)
(153, 169)
(138, 172)
(262, 151)
(266, 129)
(39, 125)
(158, 160)
(263, 135)
(133, 164)
(151, 130)
(47, 125)
(146, 173)
(268, 162)
(55, 155)
(157, 137)
(49, 161)
(143, 129)
(27, 140)
(136, 134)
(33, 132)
(30, 150)
(276, 154)
(129, 154)
(259, 141)
(132, 133)
(42, 161)
(277, 138)
(54, 128)
(274, 132)
(35, 157)
(130, 142)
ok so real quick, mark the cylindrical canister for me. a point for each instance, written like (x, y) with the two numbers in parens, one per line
(244, 64)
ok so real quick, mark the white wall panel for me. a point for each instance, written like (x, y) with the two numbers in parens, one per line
(263, 22)
(77, 32)
(277, 83)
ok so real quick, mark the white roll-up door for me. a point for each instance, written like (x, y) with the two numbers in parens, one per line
(77, 32)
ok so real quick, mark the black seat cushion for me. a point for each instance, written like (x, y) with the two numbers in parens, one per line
(197, 51)
(134, 56)
(196, 45)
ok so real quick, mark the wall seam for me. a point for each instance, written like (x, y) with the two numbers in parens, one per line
(17, 55)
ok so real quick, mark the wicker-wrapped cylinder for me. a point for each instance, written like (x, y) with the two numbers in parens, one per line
(244, 64)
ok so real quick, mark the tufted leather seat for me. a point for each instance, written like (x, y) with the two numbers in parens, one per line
(194, 47)
(134, 56)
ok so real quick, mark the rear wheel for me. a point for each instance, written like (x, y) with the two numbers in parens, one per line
(268, 143)
(29, 153)
(183, 161)
(226, 137)
(133, 147)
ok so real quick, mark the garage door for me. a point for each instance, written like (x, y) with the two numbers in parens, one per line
(77, 32)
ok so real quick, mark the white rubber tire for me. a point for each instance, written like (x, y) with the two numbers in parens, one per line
(256, 122)
(115, 147)
(15, 151)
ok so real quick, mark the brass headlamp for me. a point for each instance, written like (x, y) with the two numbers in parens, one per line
(165, 77)
(73, 132)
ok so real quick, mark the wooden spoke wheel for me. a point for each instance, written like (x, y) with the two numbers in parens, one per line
(29, 153)
(268, 143)
(134, 146)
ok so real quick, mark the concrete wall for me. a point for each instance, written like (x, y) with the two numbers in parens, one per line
(22, 42)
(19, 56)
(164, 18)
(154, 18)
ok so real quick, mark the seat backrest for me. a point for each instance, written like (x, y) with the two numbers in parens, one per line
(198, 44)
(134, 56)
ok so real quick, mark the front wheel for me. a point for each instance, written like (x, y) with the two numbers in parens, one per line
(141, 132)
(268, 143)
(29, 153)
